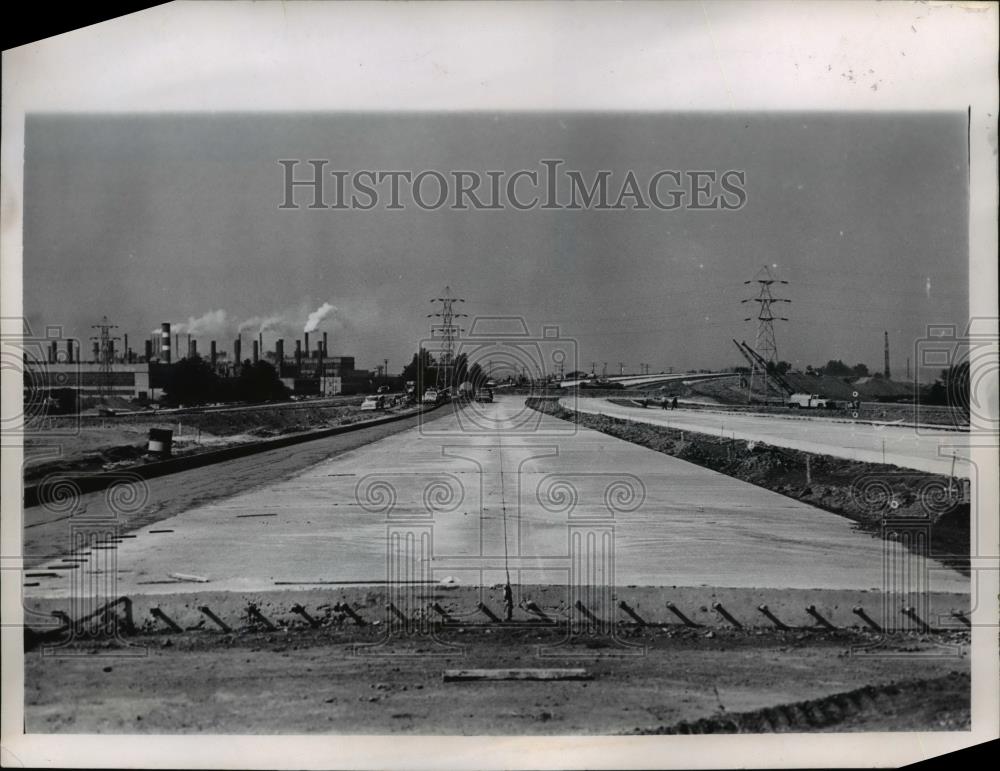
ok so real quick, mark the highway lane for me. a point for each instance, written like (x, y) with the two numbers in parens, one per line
(923, 450)
(491, 487)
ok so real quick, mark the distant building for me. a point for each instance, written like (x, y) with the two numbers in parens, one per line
(128, 381)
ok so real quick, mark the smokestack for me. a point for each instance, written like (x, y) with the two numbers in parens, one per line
(212, 354)
(306, 346)
(298, 356)
(177, 343)
(325, 349)
(69, 351)
(279, 354)
(128, 352)
(237, 350)
(260, 342)
(256, 351)
(149, 350)
(886, 355)
(192, 347)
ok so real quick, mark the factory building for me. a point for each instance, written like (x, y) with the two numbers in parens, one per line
(129, 375)
(139, 381)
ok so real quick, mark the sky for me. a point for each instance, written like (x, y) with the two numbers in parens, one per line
(175, 217)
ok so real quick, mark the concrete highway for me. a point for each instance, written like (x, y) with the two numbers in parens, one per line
(446, 500)
(924, 449)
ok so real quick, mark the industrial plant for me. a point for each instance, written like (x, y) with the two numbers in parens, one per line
(112, 368)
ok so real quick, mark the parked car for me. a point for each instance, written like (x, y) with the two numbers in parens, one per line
(373, 403)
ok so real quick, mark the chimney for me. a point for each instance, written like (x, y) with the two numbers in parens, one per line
(149, 350)
(306, 346)
(69, 351)
(279, 354)
(256, 351)
(211, 349)
(192, 347)
(298, 356)
(887, 355)
(260, 342)
(325, 349)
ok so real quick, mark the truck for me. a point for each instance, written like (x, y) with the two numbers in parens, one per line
(808, 401)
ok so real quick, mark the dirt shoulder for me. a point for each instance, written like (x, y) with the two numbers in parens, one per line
(350, 680)
(878, 498)
(92, 445)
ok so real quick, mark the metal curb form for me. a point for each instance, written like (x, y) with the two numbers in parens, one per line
(252, 619)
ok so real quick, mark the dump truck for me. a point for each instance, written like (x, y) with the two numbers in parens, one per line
(809, 401)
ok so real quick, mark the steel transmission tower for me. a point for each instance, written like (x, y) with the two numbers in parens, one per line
(765, 343)
(449, 332)
(105, 354)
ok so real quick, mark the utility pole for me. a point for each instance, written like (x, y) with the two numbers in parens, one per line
(449, 333)
(106, 352)
(765, 343)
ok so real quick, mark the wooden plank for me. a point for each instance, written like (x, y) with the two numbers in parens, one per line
(545, 673)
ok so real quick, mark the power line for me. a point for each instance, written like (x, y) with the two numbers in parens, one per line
(449, 334)
(765, 344)
(105, 354)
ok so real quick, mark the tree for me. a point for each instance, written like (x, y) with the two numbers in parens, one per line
(191, 381)
(461, 370)
(422, 370)
(952, 388)
(780, 367)
(836, 368)
(476, 376)
(860, 370)
(260, 382)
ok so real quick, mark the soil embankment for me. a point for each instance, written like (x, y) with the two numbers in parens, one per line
(91, 445)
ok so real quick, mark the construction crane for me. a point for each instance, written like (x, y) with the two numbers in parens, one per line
(756, 361)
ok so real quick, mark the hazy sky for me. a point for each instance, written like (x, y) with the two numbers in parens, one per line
(164, 218)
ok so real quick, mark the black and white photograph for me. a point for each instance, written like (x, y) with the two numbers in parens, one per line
(501, 385)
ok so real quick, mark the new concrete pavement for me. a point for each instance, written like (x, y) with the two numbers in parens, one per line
(473, 491)
(907, 447)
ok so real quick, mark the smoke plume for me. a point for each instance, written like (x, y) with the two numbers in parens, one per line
(317, 316)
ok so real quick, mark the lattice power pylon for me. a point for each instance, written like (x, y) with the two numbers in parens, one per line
(448, 332)
(765, 343)
(105, 354)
